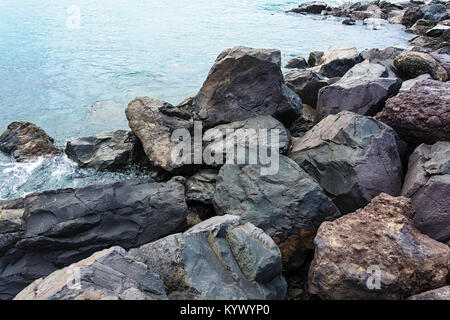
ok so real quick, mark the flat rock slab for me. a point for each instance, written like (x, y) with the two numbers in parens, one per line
(377, 253)
(110, 274)
(288, 205)
(222, 258)
(354, 158)
(63, 226)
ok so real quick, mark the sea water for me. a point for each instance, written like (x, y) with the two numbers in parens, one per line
(71, 66)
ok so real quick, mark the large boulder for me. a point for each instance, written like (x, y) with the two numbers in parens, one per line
(336, 61)
(222, 258)
(421, 114)
(297, 63)
(243, 83)
(110, 274)
(363, 90)
(247, 136)
(427, 183)
(24, 140)
(153, 121)
(434, 12)
(436, 294)
(354, 158)
(115, 150)
(413, 64)
(315, 7)
(411, 16)
(288, 205)
(376, 253)
(306, 84)
(58, 228)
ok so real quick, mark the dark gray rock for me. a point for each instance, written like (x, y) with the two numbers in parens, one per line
(63, 226)
(411, 16)
(221, 258)
(363, 90)
(297, 63)
(288, 205)
(108, 151)
(349, 22)
(244, 83)
(427, 183)
(305, 123)
(306, 84)
(314, 58)
(201, 186)
(25, 140)
(110, 274)
(153, 121)
(436, 294)
(336, 61)
(421, 26)
(354, 158)
(315, 7)
(434, 12)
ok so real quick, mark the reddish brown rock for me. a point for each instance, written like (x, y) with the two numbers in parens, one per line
(381, 243)
(420, 115)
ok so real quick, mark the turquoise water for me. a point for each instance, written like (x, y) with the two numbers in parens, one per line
(75, 82)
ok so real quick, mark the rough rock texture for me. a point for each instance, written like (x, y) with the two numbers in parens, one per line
(427, 183)
(434, 12)
(436, 294)
(187, 105)
(243, 83)
(411, 16)
(413, 64)
(421, 26)
(297, 63)
(24, 140)
(304, 123)
(61, 227)
(363, 90)
(408, 84)
(314, 58)
(354, 158)
(336, 61)
(201, 186)
(379, 240)
(385, 56)
(110, 274)
(107, 151)
(153, 122)
(420, 115)
(315, 7)
(221, 258)
(306, 84)
(247, 136)
(289, 205)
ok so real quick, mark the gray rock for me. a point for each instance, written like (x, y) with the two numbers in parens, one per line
(110, 274)
(221, 258)
(443, 58)
(245, 136)
(107, 151)
(396, 16)
(411, 16)
(305, 123)
(421, 26)
(314, 58)
(25, 140)
(288, 205)
(384, 57)
(408, 84)
(427, 184)
(153, 121)
(439, 29)
(336, 61)
(435, 12)
(63, 226)
(314, 7)
(363, 90)
(187, 105)
(436, 294)
(243, 83)
(354, 158)
(306, 84)
(297, 63)
(201, 186)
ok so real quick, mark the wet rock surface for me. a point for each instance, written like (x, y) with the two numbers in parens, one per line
(221, 258)
(25, 140)
(379, 238)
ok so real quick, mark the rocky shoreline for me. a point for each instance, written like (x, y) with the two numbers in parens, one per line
(358, 207)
